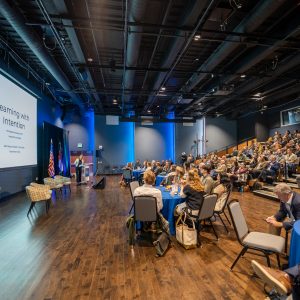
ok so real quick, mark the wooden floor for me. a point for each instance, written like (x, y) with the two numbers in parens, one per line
(80, 251)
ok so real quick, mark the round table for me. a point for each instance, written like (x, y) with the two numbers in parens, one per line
(295, 245)
(137, 172)
(169, 204)
(159, 179)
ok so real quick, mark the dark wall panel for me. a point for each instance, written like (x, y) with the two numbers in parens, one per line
(117, 142)
(155, 141)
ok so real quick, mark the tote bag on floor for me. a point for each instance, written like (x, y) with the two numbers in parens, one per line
(187, 237)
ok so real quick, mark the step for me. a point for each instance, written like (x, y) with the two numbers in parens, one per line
(292, 185)
(266, 194)
(268, 187)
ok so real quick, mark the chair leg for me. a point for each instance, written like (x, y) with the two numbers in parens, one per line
(130, 209)
(223, 222)
(278, 261)
(214, 229)
(244, 250)
(286, 242)
(227, 218)
(31, 207)
(268, 260)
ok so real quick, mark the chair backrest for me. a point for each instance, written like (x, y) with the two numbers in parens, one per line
(239, 223)
(145, 208)
(127, 174)
(226, 197)
(133, 185)
(208, 206)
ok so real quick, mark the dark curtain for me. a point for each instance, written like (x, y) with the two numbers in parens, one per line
(58, 136)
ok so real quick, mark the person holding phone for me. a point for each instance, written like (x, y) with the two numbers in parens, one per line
(289, 210)
(79, 162)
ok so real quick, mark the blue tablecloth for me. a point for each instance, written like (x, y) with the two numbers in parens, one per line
(295, 245)
(137, 173)
(169, 204)
(159, 179)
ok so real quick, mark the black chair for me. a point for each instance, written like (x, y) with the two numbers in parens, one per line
(221, 211)
(132, 185)
(145, 209)
(258, 241)
(206, 212)
(127, 176)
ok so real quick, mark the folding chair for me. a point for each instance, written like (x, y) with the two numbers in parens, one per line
(258, 241)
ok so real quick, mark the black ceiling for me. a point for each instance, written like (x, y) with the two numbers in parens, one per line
(139, 57)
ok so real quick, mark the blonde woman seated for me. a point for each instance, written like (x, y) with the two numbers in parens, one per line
(147, 189)
(193, 192)
(221, 190)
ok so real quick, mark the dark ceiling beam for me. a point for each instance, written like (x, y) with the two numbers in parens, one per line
(262, 11)
(245, 39)
(32, 40)
(60, 6)
(136, 13)
(178, 47)
(257, 55)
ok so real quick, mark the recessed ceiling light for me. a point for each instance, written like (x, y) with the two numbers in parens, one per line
(89, 59)
(212, 75)
(163, 88)
(47, 83)
(243, 75)
(197, 37)
(200, 103)
(157, 106)
(149, 111)
(257, 95)
(196, 59)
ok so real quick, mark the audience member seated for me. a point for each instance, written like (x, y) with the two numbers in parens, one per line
(158, 168)
(206, 179)
(127, 167)
(168, 180)
(137, 164)
(223, 183)
(193, 191)
(289, 210)
(167, 168)
(291, 160)
(262, 163)
(147, 189)
(271, 169)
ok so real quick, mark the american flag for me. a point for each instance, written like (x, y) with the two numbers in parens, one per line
(51, 171)
(60, 160)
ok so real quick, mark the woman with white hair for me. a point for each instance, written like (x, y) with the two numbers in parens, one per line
(289, 207)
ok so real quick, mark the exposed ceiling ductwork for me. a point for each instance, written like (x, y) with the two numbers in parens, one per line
(189, 18)
(137, 11)
(17, 21)
(263, 10)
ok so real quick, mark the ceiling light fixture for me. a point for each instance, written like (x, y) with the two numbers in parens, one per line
(89, 59)
(257, 95)
(212, 75)
(163, 88)
(243, 75)
(197, 37)
(149, 111)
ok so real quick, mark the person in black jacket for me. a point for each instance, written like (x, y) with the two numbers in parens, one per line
(289, 207)
(193, 191)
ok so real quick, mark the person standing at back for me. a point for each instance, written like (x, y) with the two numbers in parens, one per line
(79, 162)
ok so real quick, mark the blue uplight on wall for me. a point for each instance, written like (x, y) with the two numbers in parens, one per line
(90, 119)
